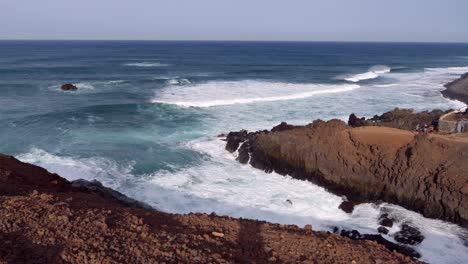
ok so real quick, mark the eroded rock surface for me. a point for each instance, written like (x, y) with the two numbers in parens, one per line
(46, 219)
(425, 173)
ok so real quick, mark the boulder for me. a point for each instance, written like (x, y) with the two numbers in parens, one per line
(409, 235)
(69, 87)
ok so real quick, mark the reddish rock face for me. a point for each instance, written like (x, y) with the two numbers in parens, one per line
(46, 219)
(426, 173)
(69, 87)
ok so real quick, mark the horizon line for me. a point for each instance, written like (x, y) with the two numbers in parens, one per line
(247, 40)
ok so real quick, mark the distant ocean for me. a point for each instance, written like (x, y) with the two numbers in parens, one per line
(146, 117)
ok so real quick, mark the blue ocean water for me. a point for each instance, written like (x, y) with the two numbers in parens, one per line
(147, 114)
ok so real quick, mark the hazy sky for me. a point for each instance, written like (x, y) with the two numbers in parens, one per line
(321, 20)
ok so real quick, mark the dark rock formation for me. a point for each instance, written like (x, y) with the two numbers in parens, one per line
(384, 220)
(457, 89)
(354, 121)
(45, 219)
(355, 235)
(382, 230)
(408, 235)
(69, 87)
(97, 187)
(405, 119)
(425, 173)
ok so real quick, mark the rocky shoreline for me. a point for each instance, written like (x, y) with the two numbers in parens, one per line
(46, 219)
(457, 89)
(425, 173)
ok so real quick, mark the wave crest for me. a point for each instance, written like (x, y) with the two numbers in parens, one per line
(222, 93)
(146, 64)
(373, 73)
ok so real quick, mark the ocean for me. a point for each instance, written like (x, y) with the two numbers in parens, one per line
(147, 115)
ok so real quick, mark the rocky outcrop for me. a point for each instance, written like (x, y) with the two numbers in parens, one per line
(425, 173)
(405, 119)
(69, 87)
(457, 89)
(46, 219)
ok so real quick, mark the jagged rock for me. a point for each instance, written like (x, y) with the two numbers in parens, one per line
(282, 127)
(405, 119)
(408, 235)
(457, 89)
(384, 220)
(69, 87)
(354, 121)
(234, 139)
(425, 173)
(382, 230)
(347, 206)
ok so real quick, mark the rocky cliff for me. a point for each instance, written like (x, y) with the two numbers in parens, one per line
(457, 89)
(46, 219)
(425, 173)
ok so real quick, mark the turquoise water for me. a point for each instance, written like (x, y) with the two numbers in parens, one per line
(146, 117)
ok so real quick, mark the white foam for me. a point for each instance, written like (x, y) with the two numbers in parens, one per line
(178, 81)
(146, 64)
(116, 82)
(219, 93)
(373, 73)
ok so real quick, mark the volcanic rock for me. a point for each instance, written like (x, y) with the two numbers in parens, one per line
(405, 119)
(425, 173)
(46, 219)
(457, 89)
(69, 87)
(409, 235)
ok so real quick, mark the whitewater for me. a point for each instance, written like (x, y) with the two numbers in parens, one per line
(146, 121)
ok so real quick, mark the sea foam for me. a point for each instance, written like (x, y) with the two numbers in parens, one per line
(220, 93)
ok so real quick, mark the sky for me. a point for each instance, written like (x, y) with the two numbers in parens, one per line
(263, 20)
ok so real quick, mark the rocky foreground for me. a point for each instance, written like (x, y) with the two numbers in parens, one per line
(46, 219)
(426, 173)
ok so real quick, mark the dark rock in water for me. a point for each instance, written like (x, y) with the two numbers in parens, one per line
(382, 230)
(384, 220)
(97, 187)
(355, 235)
(234, 139)
(69, 87)
(408, 235)
(244, 155)
(354, 121)
(347, 206)
(282, 127)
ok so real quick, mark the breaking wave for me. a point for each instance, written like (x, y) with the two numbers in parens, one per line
(374, 72)
(220, 93)
(146, 64)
